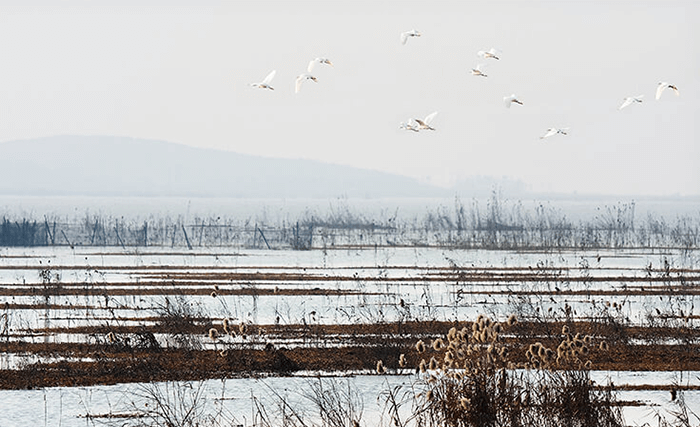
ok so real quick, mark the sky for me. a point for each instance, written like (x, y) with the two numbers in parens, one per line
(180, 71)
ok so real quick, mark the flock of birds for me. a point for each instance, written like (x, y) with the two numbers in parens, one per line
(417, 125)
(301, 78)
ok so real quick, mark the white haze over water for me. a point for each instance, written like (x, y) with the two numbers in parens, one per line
(180, 71)
(274, 211)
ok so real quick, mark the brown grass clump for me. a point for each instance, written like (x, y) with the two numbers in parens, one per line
(478, 386)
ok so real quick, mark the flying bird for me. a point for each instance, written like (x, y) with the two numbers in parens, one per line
(507, 100)
(405, 35)
(491, 53)
(301, 78)
(265, 84)
(425, 123)
(318, 61)
(662, 86)
(630, 100)
(554, 131)
(478, 71)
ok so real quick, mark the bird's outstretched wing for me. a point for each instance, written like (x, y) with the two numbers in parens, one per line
(404, 37)
(550, 132)
(429, 118)
(269, 77)
(626, 103)
(299, 81)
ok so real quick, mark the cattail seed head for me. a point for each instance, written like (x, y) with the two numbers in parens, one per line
(422, 366)
(588, 364)
(420, 346)
(111, 337)
(497, 328)
(512, 320)
(452, 334)
(604, 346)
(402, 360)
(438, 344)
(433, 364)
(213, 334)
(564, 330)
(380, 367)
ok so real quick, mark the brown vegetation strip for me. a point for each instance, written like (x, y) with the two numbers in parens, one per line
(143, 360)
(129, 289)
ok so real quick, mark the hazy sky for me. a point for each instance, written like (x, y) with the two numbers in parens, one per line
(180, 71)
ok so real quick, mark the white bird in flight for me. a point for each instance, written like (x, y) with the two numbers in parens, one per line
(301, 78)
(662, 86)
(554, 131)
(405, 35)
(265, 84)
(318, 61)
(478, 71)
(491, 53)
(425, 123)
(507, 100)
(630, 100)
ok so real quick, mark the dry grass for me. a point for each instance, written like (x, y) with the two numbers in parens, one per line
(477, 382)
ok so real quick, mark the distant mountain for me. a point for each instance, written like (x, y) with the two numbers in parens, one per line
(120, 166)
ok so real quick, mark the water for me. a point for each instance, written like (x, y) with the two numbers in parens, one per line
(236, 400)
(375, 281)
